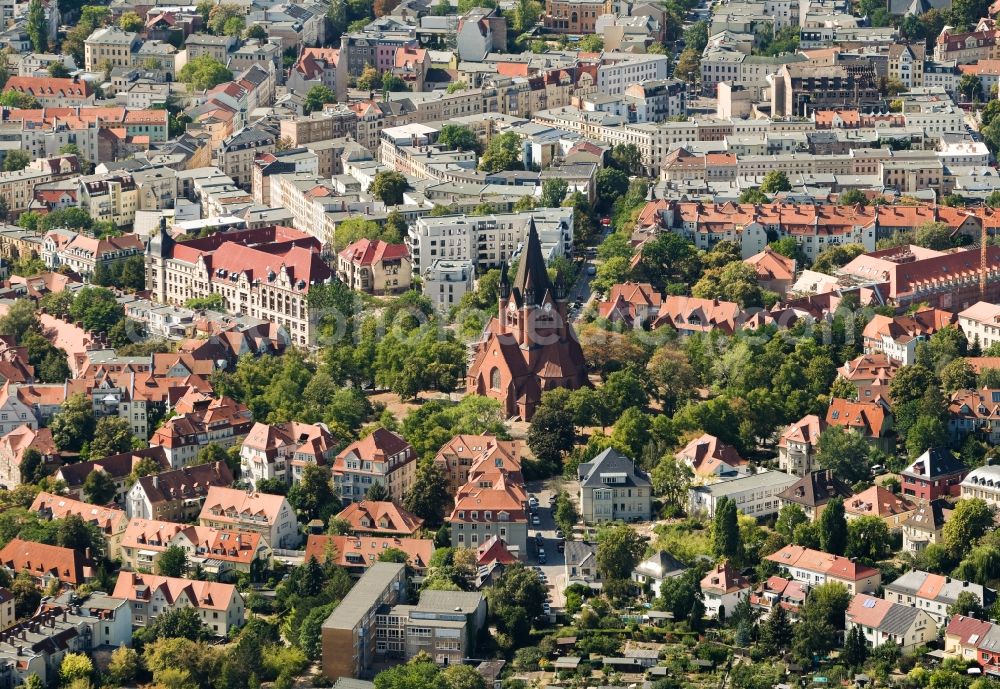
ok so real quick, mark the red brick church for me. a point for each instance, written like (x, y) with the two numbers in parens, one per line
(530, 347)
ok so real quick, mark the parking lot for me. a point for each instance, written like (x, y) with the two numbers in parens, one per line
(553, 570)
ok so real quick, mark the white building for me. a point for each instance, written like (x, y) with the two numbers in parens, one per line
(219, 606)
(756, 496)
(981, 323)
(618, 71)
(983, 483)
(237, 510)
(934, 593)
(882, 622)
(446, 282)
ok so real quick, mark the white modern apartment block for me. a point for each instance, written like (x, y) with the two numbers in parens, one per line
(446, 282)
(620, 70)
(981, 323)
(487, 240)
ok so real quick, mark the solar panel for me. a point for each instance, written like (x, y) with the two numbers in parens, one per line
(870, 603)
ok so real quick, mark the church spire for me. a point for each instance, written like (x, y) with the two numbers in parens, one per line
(532, 280)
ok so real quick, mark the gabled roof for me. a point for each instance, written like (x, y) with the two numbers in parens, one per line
(705, 454)
(107, 519)
(805, 430)
(186, 483)
(364, 551)
(817, 561)
(369, 516)
(934, 463)
(875, 613)
(929, 517)
(877, 501)
(815, 489)
(39, 560)
(723, 579)
(209, 595)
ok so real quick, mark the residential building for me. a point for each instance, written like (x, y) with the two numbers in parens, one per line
(980, 323)
(15, 443)
(974, 411)
(375, 267)
(264, 273)
(219, 606)
(797, 445)
(382, 457)
(281, 451)
(934, 593)
(934, 474)
(880, 502)
(493, 503)
(722, 589)
(815, 567)
(689, 315)
(710, 457)
(201, 421)
(237, 153)
(906, 63)
(110, 46)
(631, 303)
(813, 491)
(530, 347)
(85, 255)
(52, 92)
(870, 374)
(446, 282)
(871, 420)
(983, 483)
(109, 521)
(443, 625)
(46, 564)
(963, 636)
(755, 495)
(613, 488)
(465, 457)
(118, 467)
(357, 553)
(219, 553)
(925, 525)
(884, 622)
(774, 271)
(580, 558)
(176, 495)
(799, 88)
(656, 569)
(369, 517)
(897, 337)
(778, 591)
(271, 516)
(37, 644)
(348, 635)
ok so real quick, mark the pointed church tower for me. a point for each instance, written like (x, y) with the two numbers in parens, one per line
(531, 347)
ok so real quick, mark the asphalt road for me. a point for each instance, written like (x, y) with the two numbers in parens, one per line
(555, 575)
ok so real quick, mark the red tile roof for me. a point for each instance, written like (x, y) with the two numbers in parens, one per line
(366, 252)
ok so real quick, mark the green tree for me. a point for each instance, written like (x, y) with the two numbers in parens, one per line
(551, 434)
(96, 309)
(336, 16)
(851, 197)
(971, 519)
(789, 519)
(204, 72)
(846, 453)
(957, 375)
(553, 192)
(514, 600)
(627, 158)
(389, 187)
(313, 496)
(619, 549)
(688, 67)
(33, 681)
(831, 258)
(726, 542)
(868, 538)
(736, 282)
(934, 235)
(855, 648)
(611, 185)
(565, 513)
(671, 479)
(970, 86)
(112, 435)
(968, 604)
(753, 195)
(73, 424)
(37, 27)
(172, 562)
(774, 182)
(130, 22)
(317, 97)
(457, 137)
(98, 487)
(429, 497)
(591, 43)
(503, 152)
(17, 99)
(75, 666)
(123, 667)
(171, 625)
(833, 527)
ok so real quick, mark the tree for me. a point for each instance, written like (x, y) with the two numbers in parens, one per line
(611, 185)
(688, 67)
(463, 677)
(968, 604)
(317, 97)
(514, 600)
(525, 17)
(17, 99)
(627, 158)
(32, 468)
(220, 14)
(753, 195)
(619, 549)
(927, 432)
(27, 596)
(503, 152)
(726, 541)
(789, 518)
(551, 434)
(851, 197)
(204, 72)
(565, 513)
(73, 423)
(33, 681)
(176, 623)
(256, 33)
(429, 495)
(457, 137)
(553, 192)
(172, 562)
(855, 648)
(377, 493)
(957, 375)
(112, 436)
(99, 487)
(788, 246)
(96, 309)
(673, 376)
(776, 633)
(970, 521)
(833, 527)
(394, 83)
(671, 479)
(123, 667)
(774, 182)
(970, 86)
(336, 17)
(16, 160)
(591, 43)
(313, 496)
(831, 258)
(934, 235)
(384, 7)
(736, 282)
(75, 666)
(37, 27)
(370, 79)
(388, 187)
(130, 22)
(868, 538)
(846, 453)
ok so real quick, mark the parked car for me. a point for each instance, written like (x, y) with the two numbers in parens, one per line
(539, 537)
(535, 520)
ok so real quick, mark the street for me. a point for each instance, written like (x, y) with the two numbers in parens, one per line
(553, 570)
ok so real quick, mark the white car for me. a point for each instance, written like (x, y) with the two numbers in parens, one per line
(546, 608)
(535, 520)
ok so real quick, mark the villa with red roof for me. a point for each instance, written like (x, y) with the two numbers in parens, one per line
(898, 337)
(880, 502)
(631, 302)
(271, 516)
(380, 457)
(375, 267)
(797, 445)
(708, 456)
(283, 450)
(109, 521)
(816, 567)
(870, 420)
(722, 588)
(53, 92)
(47, 563)
(358, 553)
(370, 517)
(774, 271)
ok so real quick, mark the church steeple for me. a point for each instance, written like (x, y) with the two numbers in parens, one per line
(532, 283)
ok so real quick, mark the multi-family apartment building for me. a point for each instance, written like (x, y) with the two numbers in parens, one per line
(375, 267)
(53, 92)
(271, 516)
(204, 421)
(265, 273)
(281, 451)
(445, 282)
(236, 155)
(382, 457)
(882, 621)
(575, 16)
(177, 495)
(110, 46)
(815, 567)
(220, 553)
(110, 522)
(219, 606)
(934, 593)
(613, 488)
